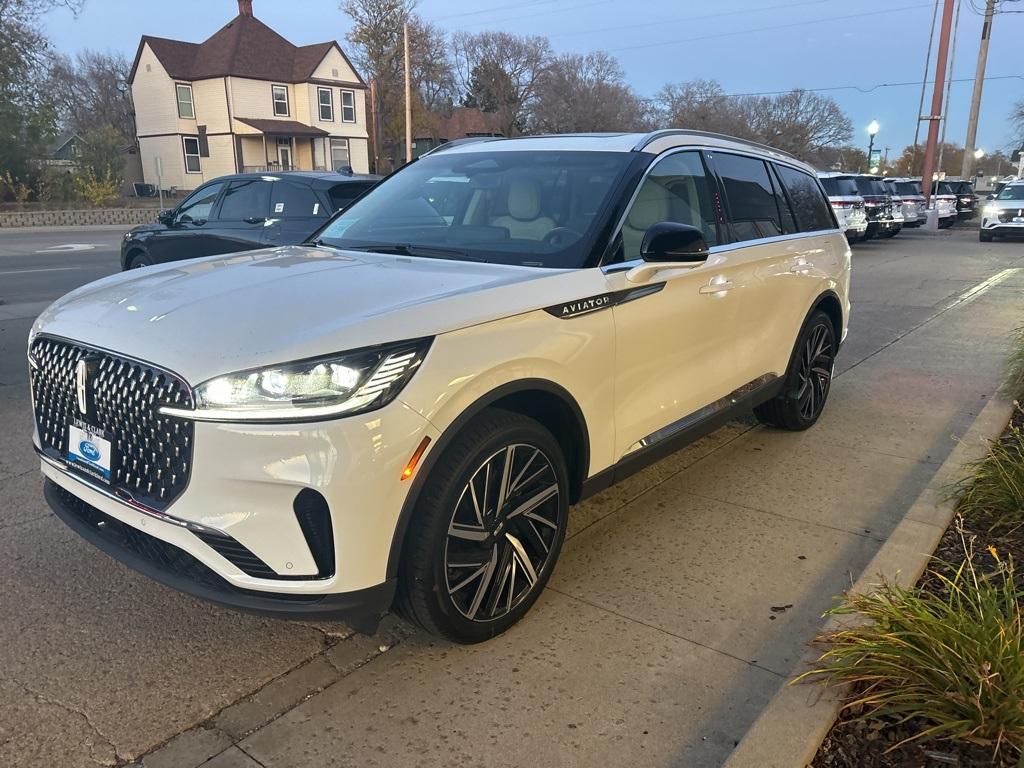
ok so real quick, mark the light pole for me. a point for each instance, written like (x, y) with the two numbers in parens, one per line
(872, 131)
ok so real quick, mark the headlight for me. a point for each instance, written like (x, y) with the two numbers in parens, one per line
(342, 384)
(990, 210)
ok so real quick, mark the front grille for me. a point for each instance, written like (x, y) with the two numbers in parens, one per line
(151, 453)
(1008, 216)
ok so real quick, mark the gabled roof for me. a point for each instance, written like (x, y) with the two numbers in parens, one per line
(244, 47)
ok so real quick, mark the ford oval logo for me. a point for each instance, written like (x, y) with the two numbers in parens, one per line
(89, 450)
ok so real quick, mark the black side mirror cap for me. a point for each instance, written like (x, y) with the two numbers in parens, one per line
(990, 197)
(166, 216)
(672, 242)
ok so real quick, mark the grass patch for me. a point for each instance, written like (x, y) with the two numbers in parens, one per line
(1014, 385)
(951, 661)
(992, 494)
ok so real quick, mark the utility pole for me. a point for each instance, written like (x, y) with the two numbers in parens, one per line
(936, 111)
(374, 122)
(949, 87)
(967, 170)
(408, 97)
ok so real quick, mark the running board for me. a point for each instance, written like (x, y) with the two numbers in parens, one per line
(686, 430)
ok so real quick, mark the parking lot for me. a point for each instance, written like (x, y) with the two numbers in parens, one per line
(682, 601)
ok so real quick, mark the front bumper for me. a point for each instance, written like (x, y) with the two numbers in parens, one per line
(176, 568)
(241, 495)
(993, 224)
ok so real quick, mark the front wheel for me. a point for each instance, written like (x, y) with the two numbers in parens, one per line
(808, 379)
(487, 529)
(140, 260)
(985, 237)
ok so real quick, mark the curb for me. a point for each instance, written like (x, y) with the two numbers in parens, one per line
(792, 726)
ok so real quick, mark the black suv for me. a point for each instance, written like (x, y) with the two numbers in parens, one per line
(966, 200)
(242, 212)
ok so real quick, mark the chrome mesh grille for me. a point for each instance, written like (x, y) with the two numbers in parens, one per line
(152, 453)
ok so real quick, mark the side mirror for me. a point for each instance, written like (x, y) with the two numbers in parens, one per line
(990, 197)
(669, 245)
(166, 216)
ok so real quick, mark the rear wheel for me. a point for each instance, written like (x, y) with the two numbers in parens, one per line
(487, 530)
(808, 379)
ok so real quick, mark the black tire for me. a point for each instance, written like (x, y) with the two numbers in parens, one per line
(808, 379)
(139, 260)
(451, 538)
(985, 237)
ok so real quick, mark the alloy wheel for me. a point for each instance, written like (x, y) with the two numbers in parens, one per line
(501, 532)
(814, 374)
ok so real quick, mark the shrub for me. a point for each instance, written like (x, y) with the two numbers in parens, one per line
(993, 491)
(953, 662)
(97, 191)
(1015, 367)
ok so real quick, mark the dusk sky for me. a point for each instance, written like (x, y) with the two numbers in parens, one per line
(749, 46)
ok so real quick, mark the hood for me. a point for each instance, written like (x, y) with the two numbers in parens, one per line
(205, 317)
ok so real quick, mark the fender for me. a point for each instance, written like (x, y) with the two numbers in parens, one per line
(423, 472)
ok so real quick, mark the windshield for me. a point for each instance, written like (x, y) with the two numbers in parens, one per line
(841, 186)
(908, 188)
(870, 186)
(524, 208)
(1011, 192)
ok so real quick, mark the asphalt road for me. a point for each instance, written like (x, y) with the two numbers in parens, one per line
(100, 665)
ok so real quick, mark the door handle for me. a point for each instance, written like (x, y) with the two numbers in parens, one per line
(256, 220)
(713, 287)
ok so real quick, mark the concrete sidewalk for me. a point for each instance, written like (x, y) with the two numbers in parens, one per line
(684, 597)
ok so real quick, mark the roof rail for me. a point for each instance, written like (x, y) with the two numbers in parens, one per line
(655, 135)
(459, 143)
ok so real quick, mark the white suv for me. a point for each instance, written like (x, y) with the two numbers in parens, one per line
(1003, 213)
(402, 412)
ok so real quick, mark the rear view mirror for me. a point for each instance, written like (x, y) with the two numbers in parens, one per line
(668, 241)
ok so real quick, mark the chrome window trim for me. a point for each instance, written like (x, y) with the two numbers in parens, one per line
(722, 247)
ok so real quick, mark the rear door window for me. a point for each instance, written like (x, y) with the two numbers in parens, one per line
(813, 212)
(246, 199)
(753, 211)
(293, 201)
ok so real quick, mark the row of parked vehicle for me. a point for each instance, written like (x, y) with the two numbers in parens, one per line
(870, 206)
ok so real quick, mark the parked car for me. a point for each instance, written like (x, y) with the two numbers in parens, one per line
(847, 203)
(242, 212)
(966, 200)
(945, 202)
(912, 201)
(402, 411)
(877, 205)
(1003, 213)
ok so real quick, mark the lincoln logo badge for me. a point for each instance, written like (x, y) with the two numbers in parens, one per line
(81, 382)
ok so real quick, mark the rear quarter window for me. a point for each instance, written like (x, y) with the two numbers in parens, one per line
(813, 212)
(343, 195)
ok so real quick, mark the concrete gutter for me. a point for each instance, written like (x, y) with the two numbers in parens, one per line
(790, 729)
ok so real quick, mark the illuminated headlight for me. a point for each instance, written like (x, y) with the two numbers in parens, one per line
(127, 235)
(325, 387)
(990, 210)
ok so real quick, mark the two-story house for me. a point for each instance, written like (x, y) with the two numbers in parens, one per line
(243, 100)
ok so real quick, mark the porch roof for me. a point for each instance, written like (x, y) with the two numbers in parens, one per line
(282, 127)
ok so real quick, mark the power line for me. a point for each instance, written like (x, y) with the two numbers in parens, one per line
(775, 27)
(875, 87)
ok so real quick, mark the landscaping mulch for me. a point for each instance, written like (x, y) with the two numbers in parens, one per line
(865, 744)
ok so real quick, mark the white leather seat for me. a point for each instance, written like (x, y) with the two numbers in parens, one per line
(651, 206)
(524, 221)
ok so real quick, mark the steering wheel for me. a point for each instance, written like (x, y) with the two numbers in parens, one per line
(561, 236)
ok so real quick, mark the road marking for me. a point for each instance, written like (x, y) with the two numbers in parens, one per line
(46, 269)
(68, 248)
(983, 286)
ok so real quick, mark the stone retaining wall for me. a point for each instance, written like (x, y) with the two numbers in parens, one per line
(123, 216)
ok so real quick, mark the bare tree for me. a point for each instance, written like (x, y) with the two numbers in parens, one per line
(798, 122)
(500, 72)
(91, 92)
(1017, 120)
(432, 70)
(700, 105)
(586, 93)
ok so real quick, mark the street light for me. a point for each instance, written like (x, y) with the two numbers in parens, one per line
(872, 131)
(979, 153)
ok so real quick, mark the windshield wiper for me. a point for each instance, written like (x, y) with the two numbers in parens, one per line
(425, 251)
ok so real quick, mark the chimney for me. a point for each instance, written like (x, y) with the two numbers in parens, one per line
(245, 7)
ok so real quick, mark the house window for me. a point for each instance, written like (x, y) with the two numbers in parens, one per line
(186, 109)
(339, 154)
(280, 93)
(325, 96)
(190, 144)
(348, 106)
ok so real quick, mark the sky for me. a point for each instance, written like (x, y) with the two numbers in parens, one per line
(848, 46)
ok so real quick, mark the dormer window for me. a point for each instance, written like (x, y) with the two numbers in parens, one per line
(186, 108)
(280, 93)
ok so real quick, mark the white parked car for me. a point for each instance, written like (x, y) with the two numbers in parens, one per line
(944, 200)
(909, 191)
(1003, 213)
(402, 412)
(846, 202)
